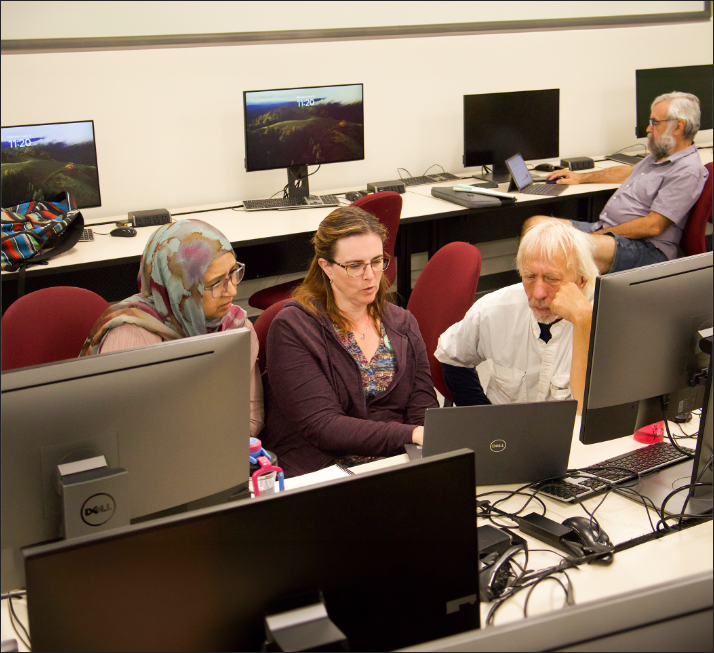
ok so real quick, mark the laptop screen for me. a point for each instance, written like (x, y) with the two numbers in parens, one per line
(519, 171)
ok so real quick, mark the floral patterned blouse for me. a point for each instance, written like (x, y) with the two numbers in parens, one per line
(378, 373)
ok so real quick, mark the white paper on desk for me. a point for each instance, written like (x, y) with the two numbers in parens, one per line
(321, 475)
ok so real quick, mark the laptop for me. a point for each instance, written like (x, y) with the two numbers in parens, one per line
(522, 181)
(514, 443)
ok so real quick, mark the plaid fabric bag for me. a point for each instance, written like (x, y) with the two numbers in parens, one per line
(35, 231)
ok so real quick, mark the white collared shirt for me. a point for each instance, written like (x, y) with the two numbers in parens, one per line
(501, 331)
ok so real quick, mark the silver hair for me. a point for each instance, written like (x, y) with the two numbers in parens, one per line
(552, 238)
(683, 106)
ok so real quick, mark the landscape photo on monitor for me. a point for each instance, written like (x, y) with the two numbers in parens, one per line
(40, 161)
(304, 126)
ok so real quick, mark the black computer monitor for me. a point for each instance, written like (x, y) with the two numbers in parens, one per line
(175, 416)
(394, 553)
(40, 161)
(650, 83)
(497, 125)
(643, 346)
(298, 127)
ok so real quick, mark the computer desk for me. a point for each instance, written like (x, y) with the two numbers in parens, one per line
(271, 243)
(275, 242)
(662, 583)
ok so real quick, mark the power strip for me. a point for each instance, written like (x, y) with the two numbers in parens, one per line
(152, 218)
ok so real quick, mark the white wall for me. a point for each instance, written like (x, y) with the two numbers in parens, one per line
(82, 19)
(169, 122)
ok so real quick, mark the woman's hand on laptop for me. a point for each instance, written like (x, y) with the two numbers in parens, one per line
(418, 435)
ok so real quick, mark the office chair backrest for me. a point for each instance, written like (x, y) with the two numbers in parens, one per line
(261, 326)
(48, 325)
(693, 241)
(385, 206)
(444, 291)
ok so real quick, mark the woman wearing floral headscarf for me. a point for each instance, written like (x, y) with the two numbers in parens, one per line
(188, 279)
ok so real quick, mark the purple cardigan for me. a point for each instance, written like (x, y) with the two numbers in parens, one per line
(315, 405)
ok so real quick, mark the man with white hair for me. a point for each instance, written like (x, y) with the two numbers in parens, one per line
(642, 222)
(533, 337)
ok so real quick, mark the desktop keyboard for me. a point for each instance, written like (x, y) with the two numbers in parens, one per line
(543, 189)
(645, 461)
(309, 202)
(626, 159)
(87, 235)
(429, 179)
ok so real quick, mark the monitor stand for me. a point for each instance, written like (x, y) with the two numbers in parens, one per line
(297, 182)
(500, 174)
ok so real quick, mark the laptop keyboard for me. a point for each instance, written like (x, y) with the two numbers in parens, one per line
(645, 461)
(543, 189)
(309, 202)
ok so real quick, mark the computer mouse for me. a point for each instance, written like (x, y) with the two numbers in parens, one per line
(593, 538)
(552, 181)
(123, 232)
(354, 195)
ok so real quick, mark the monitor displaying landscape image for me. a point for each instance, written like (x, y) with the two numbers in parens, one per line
(40, 161)
(303, 126)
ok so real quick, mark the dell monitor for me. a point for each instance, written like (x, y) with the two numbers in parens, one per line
(644, 357)
(653, 82)
(175, 416)
(41, 161)
(497, 125)
(390, 555)
(298, 127)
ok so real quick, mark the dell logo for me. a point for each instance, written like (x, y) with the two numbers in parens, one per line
(98, 509)
(498, 445)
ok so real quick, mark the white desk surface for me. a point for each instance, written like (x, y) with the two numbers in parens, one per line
(244, 228)
(251, 228)
(672, 557)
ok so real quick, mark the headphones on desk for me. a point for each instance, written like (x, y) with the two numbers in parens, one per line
(497, 575)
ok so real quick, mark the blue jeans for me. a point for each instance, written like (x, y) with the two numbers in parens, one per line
(628, 253)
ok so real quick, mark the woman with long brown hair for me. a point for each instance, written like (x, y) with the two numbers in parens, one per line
(347, 371)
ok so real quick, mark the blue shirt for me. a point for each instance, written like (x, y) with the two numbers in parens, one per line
(670, 188)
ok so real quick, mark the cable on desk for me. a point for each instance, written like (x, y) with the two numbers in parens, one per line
(664, 403)
(683, 514)
(488, 507)
(433, 165)
(222, 208)
(409, 174)
(647, 503)
(14, 619)
(569, 598)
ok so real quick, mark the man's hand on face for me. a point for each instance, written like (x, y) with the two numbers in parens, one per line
(570, 304)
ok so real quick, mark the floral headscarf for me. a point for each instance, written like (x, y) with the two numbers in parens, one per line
(170, 303)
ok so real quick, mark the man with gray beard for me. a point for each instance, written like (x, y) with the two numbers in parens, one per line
(642, 223)
(530, 340)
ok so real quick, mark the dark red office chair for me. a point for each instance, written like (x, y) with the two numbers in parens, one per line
(385, 206)
(693, 237)
(261, 326)
(444, 291)
(48, 325)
